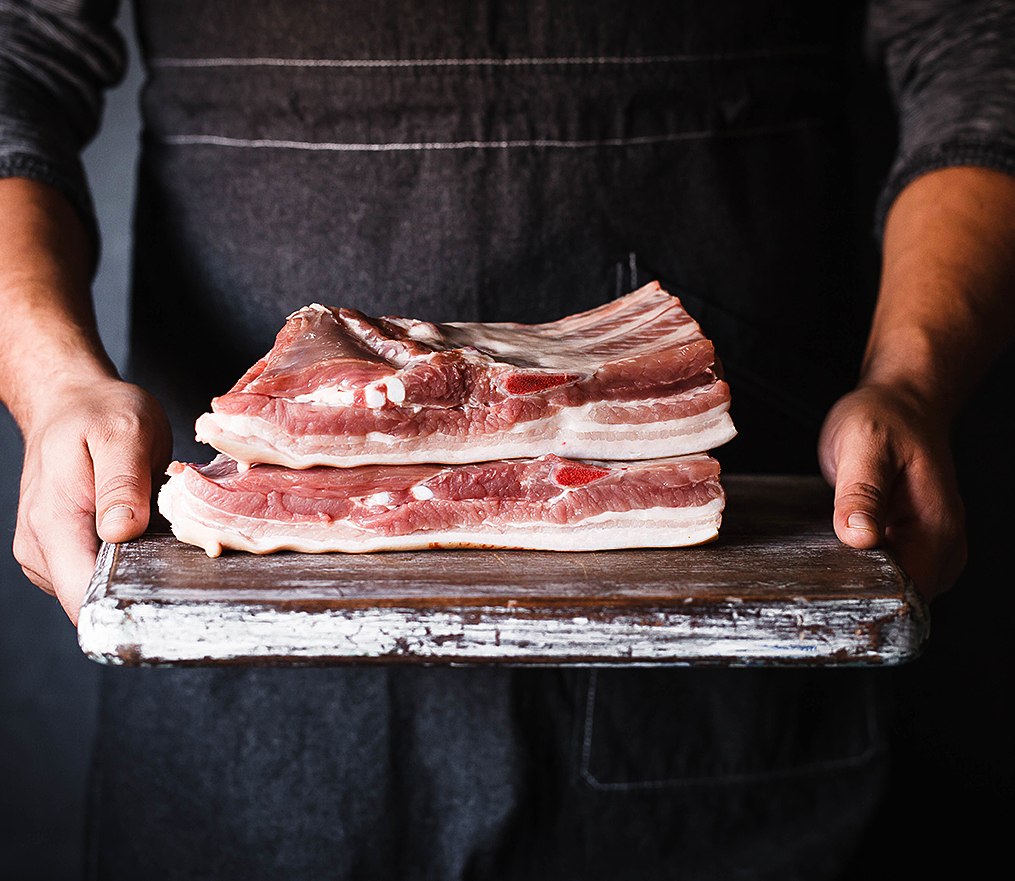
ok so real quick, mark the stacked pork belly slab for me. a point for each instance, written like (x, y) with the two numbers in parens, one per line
(365, 434)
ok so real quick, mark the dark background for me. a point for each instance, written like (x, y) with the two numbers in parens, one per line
(949, 804)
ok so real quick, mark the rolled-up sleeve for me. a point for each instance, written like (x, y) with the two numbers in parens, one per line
(951, 70)
(56, 58)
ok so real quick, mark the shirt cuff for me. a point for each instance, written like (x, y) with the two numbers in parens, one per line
(71, 185)
(967, 152)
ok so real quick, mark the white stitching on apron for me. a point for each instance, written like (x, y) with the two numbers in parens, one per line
(271, 143)
(817, 49)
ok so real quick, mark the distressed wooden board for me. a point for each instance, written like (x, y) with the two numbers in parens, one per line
(776, 588)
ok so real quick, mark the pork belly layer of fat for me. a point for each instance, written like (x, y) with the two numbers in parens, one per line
(193, 522)
(547, 503)
(594, 430)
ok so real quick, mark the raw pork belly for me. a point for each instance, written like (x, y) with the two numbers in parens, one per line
(634, 379)
(547, 503)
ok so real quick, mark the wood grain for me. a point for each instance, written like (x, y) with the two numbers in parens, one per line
(776, 588)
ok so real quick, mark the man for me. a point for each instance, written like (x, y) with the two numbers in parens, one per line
(434, 186)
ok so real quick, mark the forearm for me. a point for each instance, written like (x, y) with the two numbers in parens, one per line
(48, 335)
(946, 305)
(945, 310)
(92, 442)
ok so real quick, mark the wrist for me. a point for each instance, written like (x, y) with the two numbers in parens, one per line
(912, 365)
(49, 344)
(907, 401)
(56, 387)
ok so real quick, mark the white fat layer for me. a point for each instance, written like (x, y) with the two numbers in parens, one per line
(330, 395)
(395, 389)
(648, 527)
(423, 331)
(313, 307)
(573, 432)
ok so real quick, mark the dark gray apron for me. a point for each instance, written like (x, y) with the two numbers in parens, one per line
(533, 160)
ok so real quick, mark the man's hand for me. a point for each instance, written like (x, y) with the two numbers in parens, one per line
(945, 311)
(91, 451)
(92, 442)
(891, 466)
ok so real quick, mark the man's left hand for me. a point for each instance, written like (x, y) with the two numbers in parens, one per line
(891, 465)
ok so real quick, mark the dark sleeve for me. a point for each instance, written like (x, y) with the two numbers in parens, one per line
(951, 69)
(56, 57)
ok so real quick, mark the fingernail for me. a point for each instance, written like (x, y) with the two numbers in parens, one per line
(117, 514)
(859, 520)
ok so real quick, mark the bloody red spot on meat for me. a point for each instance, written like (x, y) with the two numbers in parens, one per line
(578, 475)
(533, 383)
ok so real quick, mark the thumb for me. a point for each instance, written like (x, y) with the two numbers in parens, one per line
(863, 480)
(123, 485)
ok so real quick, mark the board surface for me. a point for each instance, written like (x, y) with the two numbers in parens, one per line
(777, 587)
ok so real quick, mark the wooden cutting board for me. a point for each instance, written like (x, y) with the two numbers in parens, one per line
(776, 588)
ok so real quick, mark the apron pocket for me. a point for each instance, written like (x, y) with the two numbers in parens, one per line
(647, 729)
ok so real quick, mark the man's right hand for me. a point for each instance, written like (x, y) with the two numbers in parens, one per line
(92, 442)
(91, 452)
